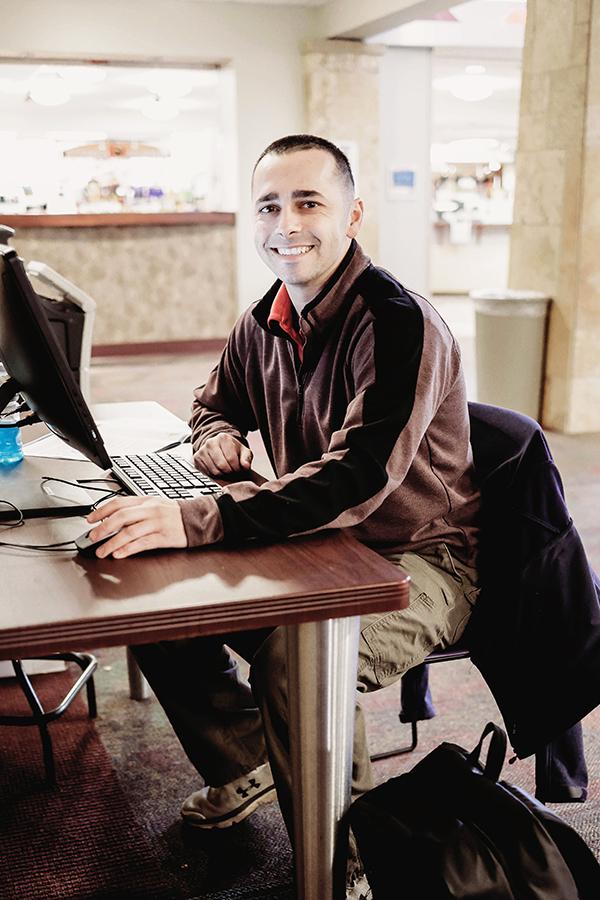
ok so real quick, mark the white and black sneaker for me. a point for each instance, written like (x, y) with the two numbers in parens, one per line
(220, 807)
(359, 889)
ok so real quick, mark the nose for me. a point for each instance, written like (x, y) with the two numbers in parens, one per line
(288, 222)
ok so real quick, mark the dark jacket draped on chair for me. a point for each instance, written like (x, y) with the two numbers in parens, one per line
(535, 633)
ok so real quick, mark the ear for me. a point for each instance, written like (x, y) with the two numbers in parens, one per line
(355, 218)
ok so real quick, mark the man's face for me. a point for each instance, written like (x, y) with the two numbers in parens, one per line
(305, 217)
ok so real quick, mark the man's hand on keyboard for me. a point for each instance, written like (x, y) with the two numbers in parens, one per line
(141, 523)
(222, 455)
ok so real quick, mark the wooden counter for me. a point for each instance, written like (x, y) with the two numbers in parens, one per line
(156, 278)
(95, 220)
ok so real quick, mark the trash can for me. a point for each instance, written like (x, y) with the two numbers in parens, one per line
(510, 342)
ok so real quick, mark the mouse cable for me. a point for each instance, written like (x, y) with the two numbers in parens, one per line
(54, 548)
(49, 548)
(106, 495)
(60, 546)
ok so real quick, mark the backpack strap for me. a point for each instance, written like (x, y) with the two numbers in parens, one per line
(496, 752)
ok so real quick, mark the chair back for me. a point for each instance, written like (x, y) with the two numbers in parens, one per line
(539, 598)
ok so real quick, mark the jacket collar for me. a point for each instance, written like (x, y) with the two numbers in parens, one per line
(320, 313)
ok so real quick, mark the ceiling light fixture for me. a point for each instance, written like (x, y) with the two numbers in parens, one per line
(48, 90)
(474, 86)
(467, 86)
(82, 76)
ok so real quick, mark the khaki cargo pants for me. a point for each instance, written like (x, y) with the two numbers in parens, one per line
(224, 725)
(443, 592)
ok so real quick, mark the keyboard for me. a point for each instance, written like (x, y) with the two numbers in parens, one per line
(162, 475)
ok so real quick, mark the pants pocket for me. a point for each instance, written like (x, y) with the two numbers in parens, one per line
(442, 593)
(393, 643)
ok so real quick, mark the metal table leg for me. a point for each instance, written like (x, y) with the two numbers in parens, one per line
(139, 689)
(322, 663)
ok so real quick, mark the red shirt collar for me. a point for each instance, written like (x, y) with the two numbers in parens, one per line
(282, 314)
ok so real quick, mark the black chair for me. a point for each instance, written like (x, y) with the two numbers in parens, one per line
(498, 438)
(416, 685)
(40, 717)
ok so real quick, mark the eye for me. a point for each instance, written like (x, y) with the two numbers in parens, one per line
(267, 209)
(310, 204)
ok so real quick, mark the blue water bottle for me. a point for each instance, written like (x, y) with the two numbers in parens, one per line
(11, 448)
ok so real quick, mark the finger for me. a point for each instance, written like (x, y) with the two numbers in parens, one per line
(106, 509)
(119, 519)
(246, 457)
(145, 535)
(218, 459)
(124, 537)
(151, 541)
(231, 450)
(162, 518)
(203, 461)
(164, 514)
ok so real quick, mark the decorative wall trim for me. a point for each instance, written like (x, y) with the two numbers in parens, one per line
(88, 220)
(147, 348)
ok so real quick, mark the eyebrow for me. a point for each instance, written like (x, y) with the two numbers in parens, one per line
(296, 195)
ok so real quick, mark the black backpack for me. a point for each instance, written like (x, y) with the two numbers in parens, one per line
(450, 829)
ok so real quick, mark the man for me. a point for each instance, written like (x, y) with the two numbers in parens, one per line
(357, 389)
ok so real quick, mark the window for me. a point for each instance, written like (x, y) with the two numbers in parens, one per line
(97, 138)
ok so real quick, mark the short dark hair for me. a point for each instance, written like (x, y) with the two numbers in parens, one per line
(293, 142)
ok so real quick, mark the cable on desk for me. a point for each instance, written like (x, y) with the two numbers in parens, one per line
(88, 482)
(60, 546)
(17, 524)
(21, 517)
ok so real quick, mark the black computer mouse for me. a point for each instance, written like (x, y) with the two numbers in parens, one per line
(87, 547)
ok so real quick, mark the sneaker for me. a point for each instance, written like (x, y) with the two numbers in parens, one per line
(220, 807)
(359, 889)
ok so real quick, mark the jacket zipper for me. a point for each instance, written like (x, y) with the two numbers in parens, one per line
(300, 383)
(301, 378)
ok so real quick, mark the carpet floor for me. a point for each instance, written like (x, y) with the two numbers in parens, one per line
(112, 830)
(78, 840)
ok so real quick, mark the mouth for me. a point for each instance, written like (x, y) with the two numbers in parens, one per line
(300, 250)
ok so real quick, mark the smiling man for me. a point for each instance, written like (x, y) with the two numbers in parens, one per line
(303, 234)
(356, 387)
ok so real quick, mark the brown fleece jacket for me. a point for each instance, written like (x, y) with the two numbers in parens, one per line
(369, 432)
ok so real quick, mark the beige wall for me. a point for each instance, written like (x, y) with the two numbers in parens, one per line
(150, 283)
(342, 104)
(405, 133)
(264, 46)
(556, 231)
(261, 43)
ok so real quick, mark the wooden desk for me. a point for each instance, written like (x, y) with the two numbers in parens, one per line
(318, 586)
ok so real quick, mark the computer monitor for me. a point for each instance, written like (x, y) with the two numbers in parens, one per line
(37, 366)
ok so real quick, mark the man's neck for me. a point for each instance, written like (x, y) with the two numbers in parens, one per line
(302, 296)
(299, 298)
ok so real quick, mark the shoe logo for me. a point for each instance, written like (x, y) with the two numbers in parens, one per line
(245, 791)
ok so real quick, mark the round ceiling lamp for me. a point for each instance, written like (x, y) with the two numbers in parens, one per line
(469, 86)
(82, 76)
(48, 89)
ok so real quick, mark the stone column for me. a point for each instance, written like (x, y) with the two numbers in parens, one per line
(555, 239)
(342, 105)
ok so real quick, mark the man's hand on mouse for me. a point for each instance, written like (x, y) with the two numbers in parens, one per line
(141, 523)
(222, 455)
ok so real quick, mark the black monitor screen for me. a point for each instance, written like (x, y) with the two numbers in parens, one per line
(33, 358)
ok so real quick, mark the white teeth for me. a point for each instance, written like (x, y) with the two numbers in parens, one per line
(292, 251)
